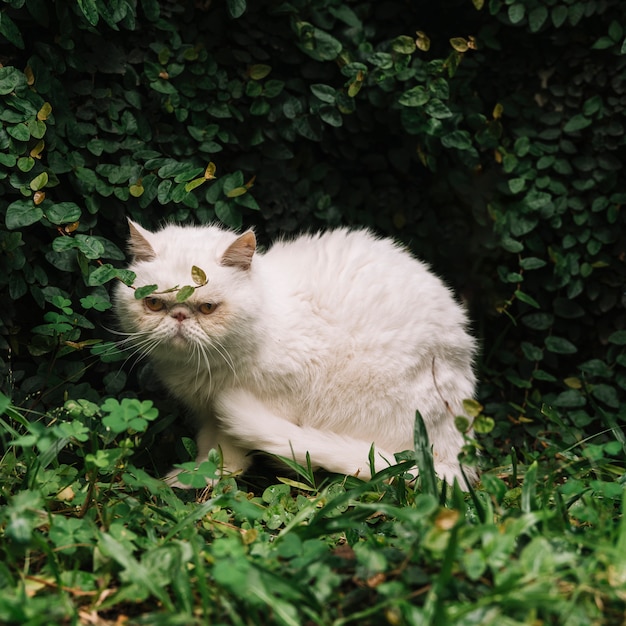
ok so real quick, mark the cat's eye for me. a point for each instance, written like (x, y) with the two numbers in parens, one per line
(207, 307)
(154, 304)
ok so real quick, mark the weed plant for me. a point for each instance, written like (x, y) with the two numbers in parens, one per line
(539, 541)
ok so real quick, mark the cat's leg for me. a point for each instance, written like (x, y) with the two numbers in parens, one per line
(251, 422)
(234, 457)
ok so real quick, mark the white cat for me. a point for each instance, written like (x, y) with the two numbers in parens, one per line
(326, 344)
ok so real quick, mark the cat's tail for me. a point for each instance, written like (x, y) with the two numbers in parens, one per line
(251, 423)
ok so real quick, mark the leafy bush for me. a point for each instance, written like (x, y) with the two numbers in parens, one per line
(489, 136)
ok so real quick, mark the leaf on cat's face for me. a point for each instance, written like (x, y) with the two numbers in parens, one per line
(142, 292)
(184, 293)
(198, 276)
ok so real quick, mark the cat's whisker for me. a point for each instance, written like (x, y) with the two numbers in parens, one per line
(223, 352)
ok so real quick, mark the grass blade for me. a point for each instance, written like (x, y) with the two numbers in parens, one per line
(424, 457)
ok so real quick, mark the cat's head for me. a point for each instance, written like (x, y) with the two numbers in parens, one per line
(217, 317)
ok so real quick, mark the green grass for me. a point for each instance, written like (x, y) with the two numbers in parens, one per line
(88, 538)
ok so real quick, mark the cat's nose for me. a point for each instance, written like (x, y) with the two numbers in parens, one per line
(179, 314)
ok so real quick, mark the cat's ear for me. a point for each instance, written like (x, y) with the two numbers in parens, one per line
(138, 242)
(239, 253)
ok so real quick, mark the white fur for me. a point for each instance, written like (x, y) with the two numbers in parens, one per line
(326, 344)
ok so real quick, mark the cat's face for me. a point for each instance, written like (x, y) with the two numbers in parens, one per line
(206, 325)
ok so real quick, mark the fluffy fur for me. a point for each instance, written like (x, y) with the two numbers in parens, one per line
(326, 344)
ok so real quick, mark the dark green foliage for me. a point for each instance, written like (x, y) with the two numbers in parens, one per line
(492, 143)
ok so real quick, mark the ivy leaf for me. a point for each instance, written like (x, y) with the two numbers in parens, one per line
(184, 293)
(559, 345)
(145, 291)
(198, 275)
(63, 213)
(236, 8)
(537, 18)
(10, 30)
(576, 123)
(517, 13)
(101, 275)
(10, 78)
(325, 93)
(22, 213)
(89, 9)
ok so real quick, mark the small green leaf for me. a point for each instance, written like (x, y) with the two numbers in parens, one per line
(184, 293)
(414, 97)
(537, 18)
(259, 71)
(403, 44)
(10, 78)
(236, 8)
(89, 9)
(524, 297)
(517, 13)
(325, 93)
(559, 345)
(618, 338)
(39, 182)
(237, 191)
(101, 275)
(576, 123)
(146, 290)
(193, 184)
(472, 407)
(484, 424)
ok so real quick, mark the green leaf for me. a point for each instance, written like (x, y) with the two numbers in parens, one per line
(537, 18)
(424, 457)
(89, 9)
(39, 182)
(331, 116)
(10, 31)
(459, 139)
(22, 213)
(606, 394)
(101, 275)
(19, 132)
(403, 44)
(437, 109)
(414, 97)
(10, 79)
(143, 292)
(618, 338)
(559, 345)
(484, 424)
(259, 71)
(570, 399)
(236, 8)
(184, 293)
(559, 15)
(91, 247)
(576, 123)
(517, 13)
(227, 214)
(63, 213)
(236, 192)
(325, 93)
(524, 297)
